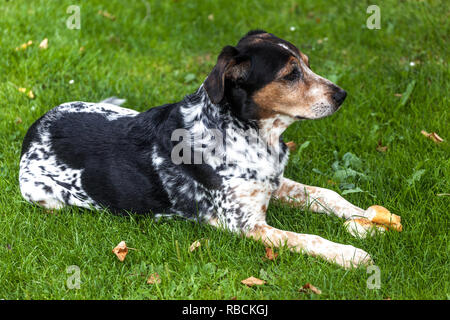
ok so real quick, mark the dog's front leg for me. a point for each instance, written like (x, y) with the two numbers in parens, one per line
(330, 202)
(246, 214)
(317, 199)
(346, 256)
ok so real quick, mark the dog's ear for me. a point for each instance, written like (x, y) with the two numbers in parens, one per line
(229, 65)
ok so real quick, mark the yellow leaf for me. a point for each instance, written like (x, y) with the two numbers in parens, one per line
(270, 254)
(44, 44)
(154, 278)
(433, 136)
(307, 288)
(121, 250)
(252, 281)
(30, 94)
(194, 245)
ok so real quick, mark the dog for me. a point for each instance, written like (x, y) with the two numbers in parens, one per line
(100, 155)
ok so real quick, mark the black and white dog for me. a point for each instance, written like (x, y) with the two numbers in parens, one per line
(99, 155)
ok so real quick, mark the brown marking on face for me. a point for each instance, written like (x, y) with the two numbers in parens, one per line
(305, 96)
(304, 58)
(295, 99)
(264, 208)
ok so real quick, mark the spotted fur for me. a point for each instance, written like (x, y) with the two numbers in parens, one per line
(100, 155)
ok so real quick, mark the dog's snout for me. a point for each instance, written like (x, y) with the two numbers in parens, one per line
(339, 96)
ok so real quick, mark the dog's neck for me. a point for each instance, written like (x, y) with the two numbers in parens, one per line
(271, 129)
(200, 108)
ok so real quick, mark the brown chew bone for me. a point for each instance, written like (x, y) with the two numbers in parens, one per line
(377, 218)
(383, 216)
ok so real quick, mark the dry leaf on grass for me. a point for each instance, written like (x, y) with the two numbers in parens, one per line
(252, 281)
(25, 45)
(443, 194)
(433, 136)
(380, 147)
(291, 145)
(121, 250)
(194, 245)
(331, 182)
(308, 288)
(30, 93)
(44, 44)
(270, 255)
(154, 278)
(106, 14)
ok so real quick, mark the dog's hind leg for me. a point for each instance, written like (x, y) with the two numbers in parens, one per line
(40, 193)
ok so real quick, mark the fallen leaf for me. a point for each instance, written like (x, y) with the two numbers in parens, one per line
(443, 194)
(397, 94)
(30, 94)
(18, 120)
(211, 17)
(154, 278)
(82, 49)
(270, 254)
(291, 145)
(44, 44)
(433, 136)
(252, 281)
(331, 182)
(121, 250)
(106, 15)
(233, 298)
(380, 147)
(194, 245)
(308, 288)
(25, 45)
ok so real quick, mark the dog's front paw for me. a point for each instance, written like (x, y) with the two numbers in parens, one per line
(351, 257)
(363, 227)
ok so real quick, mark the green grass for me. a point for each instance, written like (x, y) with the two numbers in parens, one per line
(155, 58)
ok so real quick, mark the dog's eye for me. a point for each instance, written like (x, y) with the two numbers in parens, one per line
(294, 75)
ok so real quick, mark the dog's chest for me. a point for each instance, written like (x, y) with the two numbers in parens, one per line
(251, 171)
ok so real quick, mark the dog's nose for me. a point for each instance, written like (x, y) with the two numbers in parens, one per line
(339, 96)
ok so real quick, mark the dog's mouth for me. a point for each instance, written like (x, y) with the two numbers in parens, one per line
(300, 118)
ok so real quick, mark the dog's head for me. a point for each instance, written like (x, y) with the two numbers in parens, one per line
(264, 76)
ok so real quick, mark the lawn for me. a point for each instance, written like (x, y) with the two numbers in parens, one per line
(155, 52)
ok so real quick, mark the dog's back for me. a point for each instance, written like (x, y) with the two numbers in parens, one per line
(86, 154)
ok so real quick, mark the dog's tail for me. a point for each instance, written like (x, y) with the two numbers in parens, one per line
(114, 100)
